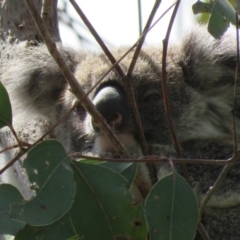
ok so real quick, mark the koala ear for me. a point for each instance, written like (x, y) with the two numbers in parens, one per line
(206, 62)
(208, 67)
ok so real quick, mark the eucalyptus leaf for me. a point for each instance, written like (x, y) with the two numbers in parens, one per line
(59, 230)
(5, 108)
(103, 207)
(201, 7)
(222, 13)
(172, 209)
(9, 195)
(127, 170)
(218, 24)
(48, 168)
(227, 10)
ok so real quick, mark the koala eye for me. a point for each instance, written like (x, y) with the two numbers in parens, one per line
(152, 96)
(79, 109)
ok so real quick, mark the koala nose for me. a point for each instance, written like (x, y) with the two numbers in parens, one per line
(110, 102)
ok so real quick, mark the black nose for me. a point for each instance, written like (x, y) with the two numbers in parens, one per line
(111, 103)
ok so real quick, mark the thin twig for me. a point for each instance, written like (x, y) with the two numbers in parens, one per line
(165, 91)
(21, 154)
(129, 50)
(236, 153)
(57, 123)
(153, 159)
(111, 58)
(9, 164)
(16, 137)
(97, 38)
(142, 38)
(130, 91)
(219, 180)
(138, 160)
(140, 17)
(117, 68)
(235, 90)
(114, 62)
(165, 79)
(203, 232)
(30, 146)
(167, 105)
(15, 146)
(129, 76)
(73, 83)
(127, 80)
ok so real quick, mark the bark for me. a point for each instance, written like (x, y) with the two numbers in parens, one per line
(17, 25)
(16, 28)
(50, 18)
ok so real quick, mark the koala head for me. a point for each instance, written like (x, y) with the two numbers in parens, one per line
(200, 80)
(200, 87)
(111, 100)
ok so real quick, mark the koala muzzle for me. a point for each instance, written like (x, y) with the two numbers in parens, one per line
(110, 102)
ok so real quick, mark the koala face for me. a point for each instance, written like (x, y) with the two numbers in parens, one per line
(198, 115)
(200, 85)
(111, 100)
(201, 73)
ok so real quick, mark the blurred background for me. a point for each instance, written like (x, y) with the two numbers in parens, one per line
(119, 21)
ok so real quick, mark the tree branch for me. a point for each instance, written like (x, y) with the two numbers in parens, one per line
(50, 19)
(73, 83)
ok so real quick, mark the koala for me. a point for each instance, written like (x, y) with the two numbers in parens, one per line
(201, 75)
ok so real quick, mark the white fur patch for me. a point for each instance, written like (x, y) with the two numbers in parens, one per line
(103, 145)
(227, 200)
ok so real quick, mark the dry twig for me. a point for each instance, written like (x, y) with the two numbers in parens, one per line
(153, 158)
(117, 68)
(164, 81)
(236, 153)
(73, 83)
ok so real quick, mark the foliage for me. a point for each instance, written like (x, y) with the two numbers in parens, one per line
(221, 15)
(5, 108)
(85, 200)
(78, 199)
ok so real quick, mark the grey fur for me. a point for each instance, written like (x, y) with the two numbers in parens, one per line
(201, 73)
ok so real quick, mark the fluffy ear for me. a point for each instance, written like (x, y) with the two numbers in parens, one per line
(208, 63)
(208, 68)
(34, 80)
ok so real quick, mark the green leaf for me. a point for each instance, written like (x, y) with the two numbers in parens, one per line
(127, 170)
(218, 21)
(172, 209)
(227, 10)
(8, 195)
(200, 7)
(5, 108)
(48, 168)
(103, 206)
(60, 230)
(222, 13)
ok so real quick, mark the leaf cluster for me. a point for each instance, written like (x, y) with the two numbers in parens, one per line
(221, 13)
(91, 200)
